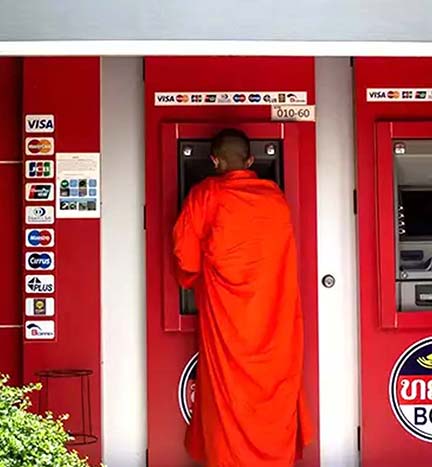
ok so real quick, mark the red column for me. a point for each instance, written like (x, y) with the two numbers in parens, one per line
(66, 90)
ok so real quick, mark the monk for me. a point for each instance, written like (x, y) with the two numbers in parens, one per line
(234, 245)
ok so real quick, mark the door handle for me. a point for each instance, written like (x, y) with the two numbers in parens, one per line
(10, 326)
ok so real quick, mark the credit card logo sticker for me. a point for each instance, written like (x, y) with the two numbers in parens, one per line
(40, 215)
(39, 169)
(39, 146)
(39, 191)
(40, 330)
(42, 261)
(39, 237)
(39, 123)
(39, 306)
(230, 98)
(40, 284)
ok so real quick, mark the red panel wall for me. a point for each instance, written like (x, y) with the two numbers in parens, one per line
(69, 89)
(10, 218)
(384, 442)
(169, 352)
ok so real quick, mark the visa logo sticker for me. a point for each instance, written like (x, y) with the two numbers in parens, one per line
(39, 215)
(39, 306)
(39, 191)
(39, 123)
(40, 261)
(39, 146)
(39, 284)
(40, 330)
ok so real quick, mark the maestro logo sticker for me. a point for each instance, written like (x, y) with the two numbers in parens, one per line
(39, 237)
(186, 388)
(410, 390)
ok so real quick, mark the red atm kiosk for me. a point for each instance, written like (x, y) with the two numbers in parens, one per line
(394, 183)
(187, 101)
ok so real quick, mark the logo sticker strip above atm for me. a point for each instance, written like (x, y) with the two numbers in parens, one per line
(230, 98)
(399, 95)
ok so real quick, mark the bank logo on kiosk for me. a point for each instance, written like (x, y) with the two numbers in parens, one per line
(410, 390)
(40, 330)
(43, 261)
(38, 238)
(186, 388)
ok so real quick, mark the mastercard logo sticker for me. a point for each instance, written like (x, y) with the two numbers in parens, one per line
(39, 146)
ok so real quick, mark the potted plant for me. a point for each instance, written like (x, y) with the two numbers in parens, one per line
(28, 439)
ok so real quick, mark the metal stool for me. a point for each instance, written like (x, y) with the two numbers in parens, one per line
(86, 436)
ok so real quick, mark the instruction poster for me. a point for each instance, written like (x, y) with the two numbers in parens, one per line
(78, 185)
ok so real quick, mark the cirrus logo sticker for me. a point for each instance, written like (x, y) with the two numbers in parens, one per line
(42, 261)
(186, 388)
(39, 237)
(410, 390)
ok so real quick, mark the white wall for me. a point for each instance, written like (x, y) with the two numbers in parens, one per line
(123, 264)
(338, 356)
(123, 283)
(320, 20)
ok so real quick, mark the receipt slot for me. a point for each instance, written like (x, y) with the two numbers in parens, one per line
(195, 165)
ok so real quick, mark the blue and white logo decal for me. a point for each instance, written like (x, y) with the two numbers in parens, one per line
(40, 261)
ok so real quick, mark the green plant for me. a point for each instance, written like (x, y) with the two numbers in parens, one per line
(31, 440)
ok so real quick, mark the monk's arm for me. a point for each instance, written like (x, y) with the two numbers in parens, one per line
(187, 235)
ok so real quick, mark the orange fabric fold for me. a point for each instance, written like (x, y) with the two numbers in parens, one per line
(234, 244)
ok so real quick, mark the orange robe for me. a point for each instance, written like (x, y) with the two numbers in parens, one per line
(234, 244)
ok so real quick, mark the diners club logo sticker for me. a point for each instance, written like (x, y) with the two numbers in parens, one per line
(186, 389)
(410, 390)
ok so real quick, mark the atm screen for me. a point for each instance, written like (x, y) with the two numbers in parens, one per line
(417, 210)
(195, 165)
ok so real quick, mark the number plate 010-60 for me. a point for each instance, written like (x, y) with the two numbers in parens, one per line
(293, 113)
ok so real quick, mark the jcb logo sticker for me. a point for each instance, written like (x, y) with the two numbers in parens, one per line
(39, 146)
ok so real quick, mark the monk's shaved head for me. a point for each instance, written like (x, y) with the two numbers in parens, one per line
(230, 150)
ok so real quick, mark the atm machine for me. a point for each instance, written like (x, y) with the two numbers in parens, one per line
(413, 214)
(194, 165)
(394, 213)
(188, 100)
